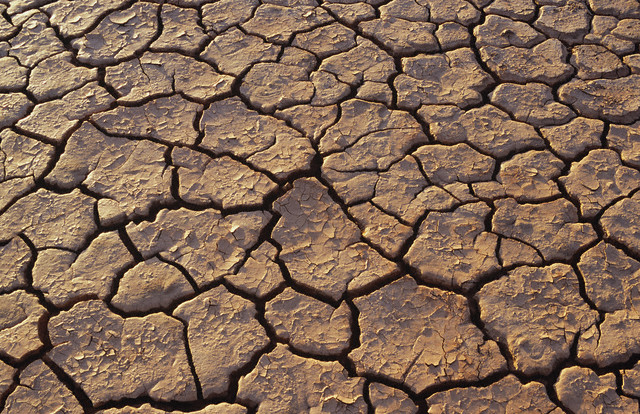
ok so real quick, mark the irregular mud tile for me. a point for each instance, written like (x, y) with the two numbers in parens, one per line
(583, 391)
(6, 377)
(452, 249)
(223, 336)
(352, 187)
(628, 29)
(292, 3)
(537, 312)
(487, 128)
(35, 41)
(461, 192)
(289, 155)
(514, 9)
(14, 76)
(73, 18)
(621, 8)
(271, 86)
(111, 358)
(488, 190)
(452, 35)
(18, 7)
(313, 120)
(13, 107)
(143, 409)
(633, 62)
(260, 275)
(152, 284)
(40, 391)
(164, 73)
(110, 213)
(234, 51)
(4, 49)
(278, 24)
(284, 382)
(459, 11)
(196, 80)
(223, 181)
(50, 220)
(421, 336)
(613, 341)
(294, 56)
(543, 63)
(454, 78)
(20, 315)
(222, 408)
(206, 244)
(135, 82)
(180, 31)
(15, 257)
(371, 150)
(598, 179)
(404, 192)
(611, 277)
(326, 40)
(376, 92)
(530, 176)
(626, 140)
(615, 100)
(569, 22)
(57, 75)
(532, 103)
(7, 30)
(362, 120)
(631, 381)
(573, 138)
(351, 14)
(63, 276)
(365, 62)
(54, 119)
(505, 396)
(552, 228)
(133, 173)
(412, 10)
(320, 246)
(513, 252)
(381, 229)
(328, 90)
(22, 161)
(119, 36)
(446, 164)
(500, 31)
(388, 400)
(169, 120)
(309, 325)
(265, 142)
(621, 222)
(617, 45)
(601, 28)
(221, 15)
(230, 127)
(595, 61)
(402, 37)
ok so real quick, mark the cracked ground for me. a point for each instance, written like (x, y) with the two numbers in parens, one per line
(319, 206)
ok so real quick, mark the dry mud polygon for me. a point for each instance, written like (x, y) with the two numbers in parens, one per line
(319, 206)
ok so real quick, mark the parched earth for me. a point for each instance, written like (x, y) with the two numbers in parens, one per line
(319, 206)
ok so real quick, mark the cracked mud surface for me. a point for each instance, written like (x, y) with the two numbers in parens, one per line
(319, 206)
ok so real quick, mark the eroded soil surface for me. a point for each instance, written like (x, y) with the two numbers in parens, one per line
(319, 206)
